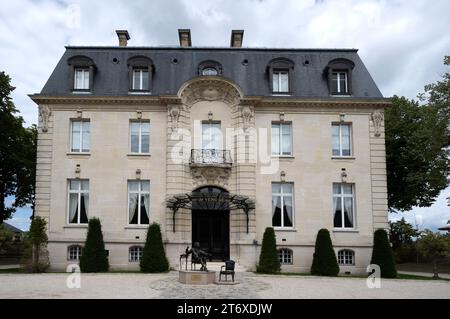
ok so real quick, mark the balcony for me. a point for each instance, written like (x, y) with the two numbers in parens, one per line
(210, 157)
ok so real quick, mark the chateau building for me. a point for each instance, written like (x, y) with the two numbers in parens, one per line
(215, 144)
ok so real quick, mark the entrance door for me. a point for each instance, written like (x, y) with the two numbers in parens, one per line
(211, 229)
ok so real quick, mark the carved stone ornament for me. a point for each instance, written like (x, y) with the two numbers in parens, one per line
(247, 114)
(210, 89)
(377, 118)
(174, 112)
(210, 175)
(44, 113)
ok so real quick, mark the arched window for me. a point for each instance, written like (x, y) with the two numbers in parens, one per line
(135, 254)
(281, 71)
(209, 68)
(339, 75)
(285, 256)
(346, 257)
(82, 70)
(74, 253)
(140, 69)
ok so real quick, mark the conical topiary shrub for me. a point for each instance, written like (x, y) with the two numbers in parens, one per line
(382, 254)
(93, 255)
(268, 259)
(154, 257)
(324, 260)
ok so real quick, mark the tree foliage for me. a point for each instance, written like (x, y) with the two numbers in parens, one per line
(434, 246)
(417, 159)
(17, 153)
(93, 254)
(402, 233)
(154, 256)
(38, 239)
(382, 254)
(324, 259)
(269, 262)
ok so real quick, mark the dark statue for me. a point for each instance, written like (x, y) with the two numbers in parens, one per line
(199, 256)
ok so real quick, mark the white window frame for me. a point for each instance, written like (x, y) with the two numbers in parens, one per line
(71, 149)
(78, 191)
(139, 192)
(342, 196)
(280, 139)
(338, 80)
(140, 136)
(76, 253)
(350, 132)
(285, 254)
(212, 130)
(140, 87)
(282, 195)
(132, 256)
(278, 73)
(83, 72)
(346, 257)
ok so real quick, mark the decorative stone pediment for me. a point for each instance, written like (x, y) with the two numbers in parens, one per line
(209, 175)
(210, 88)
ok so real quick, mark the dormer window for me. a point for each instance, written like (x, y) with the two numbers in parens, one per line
(339, 75)
(280, 73)
(82, 70)
(209, 68)
(141, 70)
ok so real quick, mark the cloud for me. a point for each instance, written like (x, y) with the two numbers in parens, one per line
(402, 42)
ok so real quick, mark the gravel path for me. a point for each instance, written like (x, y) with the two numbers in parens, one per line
(130, 285)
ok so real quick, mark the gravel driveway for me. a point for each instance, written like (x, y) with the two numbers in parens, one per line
(135, 285)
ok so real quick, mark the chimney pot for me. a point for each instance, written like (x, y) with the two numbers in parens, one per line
(123, 37)
(237, 37)
(185, 37)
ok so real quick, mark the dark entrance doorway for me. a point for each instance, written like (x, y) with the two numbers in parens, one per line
(211, 223)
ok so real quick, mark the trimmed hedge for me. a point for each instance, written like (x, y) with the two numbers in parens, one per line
(93, 255)
(382, 254)
(324, 259)
(154, 257)
(269, 262)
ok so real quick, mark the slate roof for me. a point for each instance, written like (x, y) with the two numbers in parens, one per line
(12, 228)
(111, 79)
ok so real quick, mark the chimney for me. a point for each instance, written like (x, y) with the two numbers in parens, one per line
(236, 38)
(185, 37)
(123, 37)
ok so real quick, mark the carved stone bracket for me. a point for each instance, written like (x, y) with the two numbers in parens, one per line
(377, 118)
(247, 115)
(210, 89)
(209, 175)
(174, 113)
(44, 113)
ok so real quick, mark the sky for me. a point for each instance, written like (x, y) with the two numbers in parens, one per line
(402, 42)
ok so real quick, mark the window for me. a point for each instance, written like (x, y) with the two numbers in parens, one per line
(135, 254)
(346, 257)
(343, 205)
(281, 139)
(81, 79)
(80, 136)
(138, 202)
(78, 201)
(282, 205)
(280, 80)
(140, 137)
(211, 136)
(339, 83)
(341, 139)
(285, 256)
(209, 71)
(209, 68)
(140, 79)
(74, 253)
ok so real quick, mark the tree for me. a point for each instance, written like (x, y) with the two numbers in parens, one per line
(17, 154)
(93, 254)
(324, 259)
(269, 263)
(417, 159)
(435, 247)
(154, 257)
(382, 254)
(38, 239)
(401, 233)
(438, 94)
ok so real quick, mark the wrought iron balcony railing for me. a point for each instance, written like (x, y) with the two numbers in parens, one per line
(210, 157)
